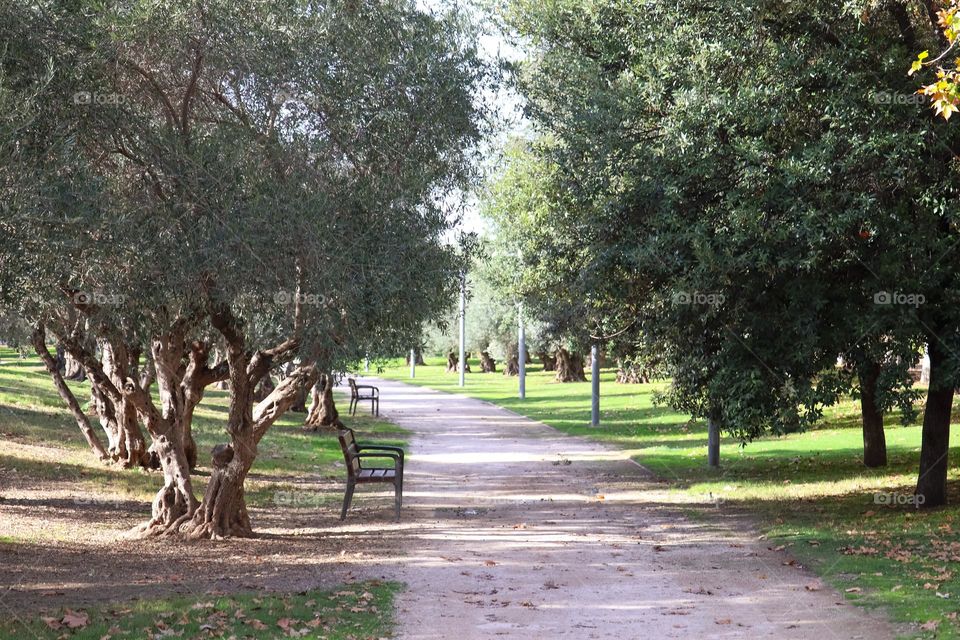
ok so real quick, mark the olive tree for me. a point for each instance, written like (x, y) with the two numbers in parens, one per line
(251, 180)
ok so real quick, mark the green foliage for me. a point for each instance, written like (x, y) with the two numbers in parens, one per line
(182, 155)
(735, 194)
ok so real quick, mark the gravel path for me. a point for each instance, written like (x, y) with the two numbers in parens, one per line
(514, 530)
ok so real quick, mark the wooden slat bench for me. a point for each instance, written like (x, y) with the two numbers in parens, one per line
(355, 454)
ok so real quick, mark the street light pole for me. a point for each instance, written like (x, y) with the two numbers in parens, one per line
(522, 351)
(595, 385)
(463, 326)
(413, 363)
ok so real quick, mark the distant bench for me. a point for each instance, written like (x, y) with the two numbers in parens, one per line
(364, 392)
(357, 473)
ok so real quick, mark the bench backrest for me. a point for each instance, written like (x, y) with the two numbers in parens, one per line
(348, 444)
(353, 387)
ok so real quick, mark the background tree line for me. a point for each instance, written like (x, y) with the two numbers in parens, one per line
(721, 190)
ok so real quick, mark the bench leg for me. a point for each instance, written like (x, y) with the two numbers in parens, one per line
(353, 406)
(374, 409)
(398, 497)
(347, 499)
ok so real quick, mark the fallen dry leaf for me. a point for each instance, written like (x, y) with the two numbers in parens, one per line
(53, 623)
(75, 619)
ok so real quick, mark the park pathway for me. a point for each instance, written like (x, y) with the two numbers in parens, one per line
(514, 530)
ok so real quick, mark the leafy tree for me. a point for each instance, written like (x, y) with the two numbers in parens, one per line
(749, 225)
(244, 176)
(533, 255)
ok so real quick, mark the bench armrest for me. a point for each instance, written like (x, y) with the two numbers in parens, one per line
(397, 460)
(380, 447)
(376, 390)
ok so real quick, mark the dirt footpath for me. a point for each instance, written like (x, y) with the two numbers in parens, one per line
(512, 529)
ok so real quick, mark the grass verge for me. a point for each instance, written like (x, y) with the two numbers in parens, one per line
(362, 610)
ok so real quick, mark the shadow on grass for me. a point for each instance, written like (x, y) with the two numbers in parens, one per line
(793, 466)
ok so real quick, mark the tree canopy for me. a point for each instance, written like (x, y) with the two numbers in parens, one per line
(259, 179)
(736, 187)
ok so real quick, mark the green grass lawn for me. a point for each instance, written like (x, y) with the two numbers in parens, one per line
(363, 610)
(42, 441)
(808, 492)
(44, 451)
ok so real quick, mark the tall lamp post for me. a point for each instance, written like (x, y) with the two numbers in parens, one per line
(463, 326)
(522, 351)
(521, 335)
(595, 385)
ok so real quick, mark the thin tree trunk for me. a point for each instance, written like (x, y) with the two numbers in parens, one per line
(713, 438)
(932, 479)
(874, 440)
(40, 345)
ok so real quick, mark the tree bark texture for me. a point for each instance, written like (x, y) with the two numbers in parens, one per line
(570, 366)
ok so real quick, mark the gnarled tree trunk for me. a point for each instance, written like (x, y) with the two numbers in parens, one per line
(264, 389)
(631, 373)
(874, 440)
(300, 404)
(420, 362)
(72, 369)
(452, 361)
(223, 512)
(512, 367)
(127, 443)
(549, 362)
(323, 410)
(570, 366)
(175, 502)
(487, 364)
(196, 378)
